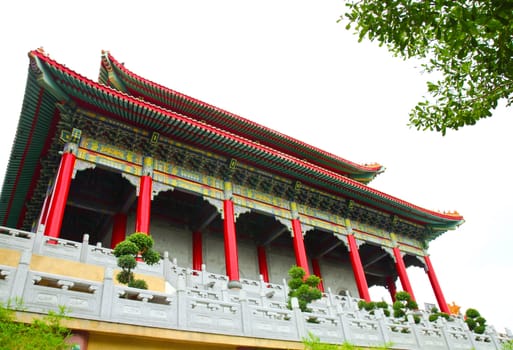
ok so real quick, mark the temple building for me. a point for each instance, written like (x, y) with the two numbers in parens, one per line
(230, 204)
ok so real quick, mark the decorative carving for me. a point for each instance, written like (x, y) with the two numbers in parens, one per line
(81, 165)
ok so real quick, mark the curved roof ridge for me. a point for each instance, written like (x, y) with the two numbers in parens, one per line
(394, 201)
(373, 168)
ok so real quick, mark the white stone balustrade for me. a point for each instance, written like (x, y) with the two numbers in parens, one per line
(201, 302)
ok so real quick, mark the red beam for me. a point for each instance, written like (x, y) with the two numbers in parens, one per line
(118, 229)
(60, 195)
(197, 250)
(142, 222)
(436, 286)
(230, 243)
(359, 274)
(262, 263)
(317, 272)
(401, 270)
(299, 246)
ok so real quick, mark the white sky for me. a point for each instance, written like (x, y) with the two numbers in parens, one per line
(288, 65)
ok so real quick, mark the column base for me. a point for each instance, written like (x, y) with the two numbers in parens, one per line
(234, 285)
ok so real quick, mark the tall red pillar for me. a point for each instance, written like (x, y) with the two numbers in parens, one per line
(401, 270)
(436, 286)
(262, 263)
(391, 287)
(230, 240)
(317, 272)
(60, 193)
(46, 204)
(299, 246)
(359, 274)
(197, 250)
(118, 229)
(142, 219)
(297, 240)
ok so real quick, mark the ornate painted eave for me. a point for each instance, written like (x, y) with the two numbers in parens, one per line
(115, 74)
(39, 117)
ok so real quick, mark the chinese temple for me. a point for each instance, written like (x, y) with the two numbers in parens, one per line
(230, 204)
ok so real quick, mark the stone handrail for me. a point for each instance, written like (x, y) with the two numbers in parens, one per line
(257, 310)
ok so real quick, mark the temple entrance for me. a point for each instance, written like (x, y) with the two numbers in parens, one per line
(95, 196)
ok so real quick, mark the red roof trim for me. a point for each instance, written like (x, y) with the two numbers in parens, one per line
(253, 124)
(195, 124)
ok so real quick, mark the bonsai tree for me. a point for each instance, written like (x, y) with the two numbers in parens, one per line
(136, 245)
(404, 303)
(435, 314)
(370, 306)
(304, 289)
(475, 321)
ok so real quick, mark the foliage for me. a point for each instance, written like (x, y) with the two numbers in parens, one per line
(127, 252)
(45, 333)
(304, 289)
(435, 314)
(313, 343)
(370, 306)
(507, 345)
(404, 303)
(475, 321)
(467, 43)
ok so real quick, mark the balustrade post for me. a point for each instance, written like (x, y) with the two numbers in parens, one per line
(343, 324)
(300, 321)
(84, 249)
(20, 278)
(245, 313)
(107, 295)
(414, 330)
(166, 265)
(181, 306)
(380, 317)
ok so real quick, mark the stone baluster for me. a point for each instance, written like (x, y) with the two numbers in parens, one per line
(84, 249)
(298, 315)
(181, 300)
(108, 292)
(20, 277)
(244, 313)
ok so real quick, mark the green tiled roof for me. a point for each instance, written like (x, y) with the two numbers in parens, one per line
(50, 82)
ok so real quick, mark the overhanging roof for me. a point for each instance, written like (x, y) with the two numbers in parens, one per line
(116, 75)
(50, 82)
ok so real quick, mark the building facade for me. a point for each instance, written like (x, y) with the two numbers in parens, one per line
(231, 205)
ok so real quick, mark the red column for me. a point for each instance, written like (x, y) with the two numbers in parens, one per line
(262, 263)
(118, 229)
(401, 270)
(317, 272)
(230, 245)
(359, 274)
(46, 204)
(436, 286)
(391, 287)
(299, 246)
(197, 250)
(60, 195)
(142, 221)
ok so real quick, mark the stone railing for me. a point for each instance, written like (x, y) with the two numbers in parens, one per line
(201, 302)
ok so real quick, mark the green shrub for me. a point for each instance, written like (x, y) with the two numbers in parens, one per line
(304, 289)
(475, 321)
(127, 252)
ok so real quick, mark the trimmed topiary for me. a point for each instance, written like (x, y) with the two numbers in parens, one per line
(137, 244)
(304, 289)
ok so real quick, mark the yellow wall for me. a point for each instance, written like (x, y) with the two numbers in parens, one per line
(9, 257)
(67, 268)
(104, 341)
